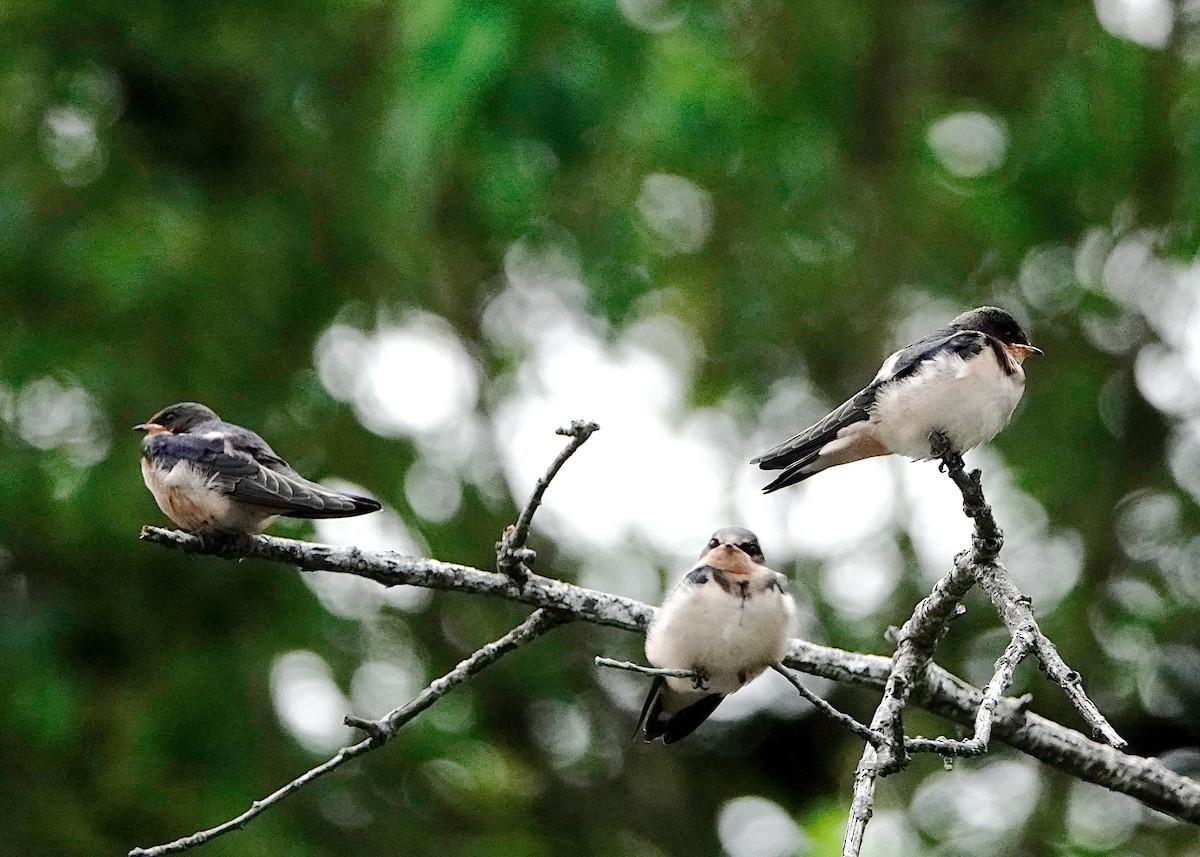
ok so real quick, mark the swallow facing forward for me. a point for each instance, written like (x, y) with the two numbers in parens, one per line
(728, 620)
(963, 381)
(210, 476)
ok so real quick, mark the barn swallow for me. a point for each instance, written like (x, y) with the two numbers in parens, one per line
(728, 620)
(962, 381)
(210, 476)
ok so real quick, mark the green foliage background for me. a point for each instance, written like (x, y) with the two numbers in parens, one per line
(191, 193)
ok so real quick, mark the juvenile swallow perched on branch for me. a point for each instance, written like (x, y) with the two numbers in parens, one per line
(728, 620)
(963, 381)
(210, 476)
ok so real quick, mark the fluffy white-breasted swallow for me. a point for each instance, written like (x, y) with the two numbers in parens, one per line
(210, 476)
(963, 381)
(728, 619)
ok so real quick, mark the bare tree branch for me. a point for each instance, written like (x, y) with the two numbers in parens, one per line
(918, 640)
(937, 690)
(862, 804)
(512, 557)
(916, 643)
(1014, 608)
(380, 731)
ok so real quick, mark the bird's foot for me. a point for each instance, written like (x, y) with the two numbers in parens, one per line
(699, 679)
(227, 544)
(940, 447)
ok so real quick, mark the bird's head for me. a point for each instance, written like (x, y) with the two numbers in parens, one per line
(730, 548)
(999, 325)
(177, 418)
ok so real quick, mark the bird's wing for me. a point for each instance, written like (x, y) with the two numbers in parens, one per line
(910, 358)
(795, 455)
(809, 442)
(241, 464)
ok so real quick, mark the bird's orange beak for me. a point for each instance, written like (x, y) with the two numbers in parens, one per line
(150, 428)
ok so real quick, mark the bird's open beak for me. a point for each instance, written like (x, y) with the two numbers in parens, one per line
(149, 428)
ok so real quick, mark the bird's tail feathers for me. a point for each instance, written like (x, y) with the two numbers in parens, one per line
(663, 718)
(797, 472)
(347, 506)
(809, 442)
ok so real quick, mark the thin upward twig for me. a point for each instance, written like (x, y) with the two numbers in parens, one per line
(512, 557)
(380, 731)
(977, 744)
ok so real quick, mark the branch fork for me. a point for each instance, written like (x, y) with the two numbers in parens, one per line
(918, 639)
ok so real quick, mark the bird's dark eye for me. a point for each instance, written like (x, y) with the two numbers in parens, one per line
(712, 543)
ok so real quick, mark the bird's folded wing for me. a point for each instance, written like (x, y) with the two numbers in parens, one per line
(905, 362)
(233, 469)
(809, 441)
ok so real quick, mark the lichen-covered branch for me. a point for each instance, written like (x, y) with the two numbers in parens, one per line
(1020, 645)
(917, 644)
(1017, 613)
(862, 804)
(937, 690)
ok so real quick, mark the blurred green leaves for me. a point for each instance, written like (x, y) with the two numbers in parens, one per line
(191, 195)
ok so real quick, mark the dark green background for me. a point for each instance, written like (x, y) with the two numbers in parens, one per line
(190, 193)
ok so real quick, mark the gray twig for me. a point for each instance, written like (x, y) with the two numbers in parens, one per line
(917, 641)
(379, 732)
(1017, 612)
(1014, 608)
(1020, 645)
(862, 805)
(841, 718)
(512, 556)
(638, 668)
(938, 691)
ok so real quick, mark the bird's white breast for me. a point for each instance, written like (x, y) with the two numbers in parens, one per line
(732, 639)
(969, 401)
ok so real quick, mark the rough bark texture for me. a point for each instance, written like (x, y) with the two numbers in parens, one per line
(938, 691)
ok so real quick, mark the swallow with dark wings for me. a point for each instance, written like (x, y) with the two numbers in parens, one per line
(210, 476)
(727, 620)
(962, 382)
